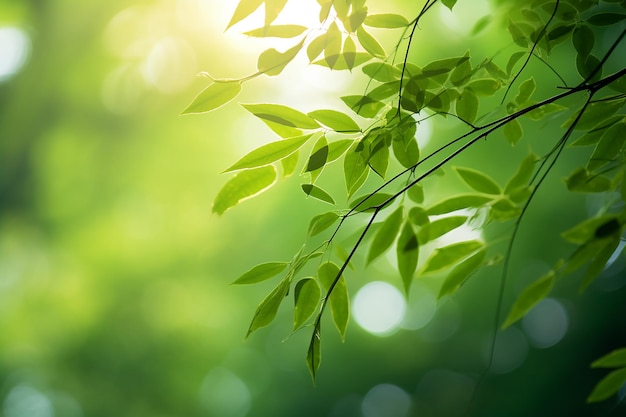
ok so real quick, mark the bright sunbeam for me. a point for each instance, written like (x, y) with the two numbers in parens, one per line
(379, 308)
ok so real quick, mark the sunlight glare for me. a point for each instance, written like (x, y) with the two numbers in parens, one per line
(464, 15)
(24, 401)
(379, 308)
(224, 394)
(386, 400)
(14, 50)
(546, 324)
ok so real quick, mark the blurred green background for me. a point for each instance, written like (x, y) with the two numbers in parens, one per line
(114, 295)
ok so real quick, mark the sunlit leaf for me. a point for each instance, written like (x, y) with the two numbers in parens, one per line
(481, 24)
(461, 74)
(416, 193)
(363, 105)
(355, 167)
(381, 71)
(385, 235)
(340, 64)
(526, 90)
(213, 96)
(615, 359)
(513, 60)
(387, 20)
(328, 274)
(461, 273)
(459, 202)
(261, 273)
(407, 252)
(418, 216)
(379, 157)
(369, 43)
(467, 106)
(244, 185)
(273, 9)
(316, 47)
(272, 62)
(289, 164)
(478, 180)
(317, 159)
(332, 49)
(594, 112)
(406, 150)
(439, 227)
(513, 131)
(523, 174)
(307, 295)
(449, 256)
(484, 86)
(349, 52)
(277, 31)
(534, 293)
(449, 3)
(608, 386)
(338, 148)
(592, 136)
(244, 9)
(266, 311)
(283, 115)
(269, 153)
(316, 192)
(369, 202)
(322, 222)
(356, 18)
(335, 120)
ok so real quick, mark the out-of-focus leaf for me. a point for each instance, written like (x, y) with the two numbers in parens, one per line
(272, 62)
(307, 295)
(336, 120)
(609, 147)
(481, 24)
(606, 19)
(459, 202)
(332, 49)
(462, 272)
(266, 311)
(316, 192)
(213, 96)
(386, 235)
(269, 153)
(277, 113)
(602, 226)
(261, 273)
(534, 293)
(581, 181)
(244, 185)
(322, 222)
(356, 18)
(449, 3)
(583, 40)
(598, 264)
(448, 256)
(615, 359)
(349, 52)
(407, 252)
(277, 31)
(290, 164)
(273, 9)
(381, 71)
(388, 21)
(316, 47)
(608, 386)
(513, 60)
(479, 181)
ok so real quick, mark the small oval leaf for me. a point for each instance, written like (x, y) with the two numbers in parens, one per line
(214, 96)
(260, 273)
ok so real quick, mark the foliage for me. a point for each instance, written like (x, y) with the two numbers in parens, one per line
(387, 176)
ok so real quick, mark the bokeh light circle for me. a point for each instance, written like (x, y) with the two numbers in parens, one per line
(379, 308)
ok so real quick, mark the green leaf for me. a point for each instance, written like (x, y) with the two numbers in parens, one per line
(449, 3)
(467, 106)
(479, 181)
(244, 185)
(269, 153)
(277, 113)
(387, 21)
(379, 157)
(601, 226)
(526, 90)
(290, 164)
(307, 295)
(581, 181)
(517, 34)
(416, 193)
(481, 24)
(513, 60)
(450, 255)
(513, 131)
(381, 71)
(356, 18)
(583, 40)
(484, 86)
(461, 273)
(523, 174)
(314, 353)
(438, 228)
(608, 386)
(316, 192)
(407, 252)
(355, 168)
(261, 273)
(363, 105)
(328, 274)
(369, 43)
(587, 65)
(438, 70)
(461, 74)
(266, 311)
(594, 112)
(335, 120)
(244, 9)
(349, 52)
(406, 150)
(322, 222)
(369, 202)
(332, 48)
(386, 235)
(316, 47)
(272, 62)
(606, 19)
(592, 136)
(598, 264)
(317, 159)
(609, 148)
(560, 31)
(338, 148)
(277, 31)
(615, 359)
(459, 202)
(213, 96)
(273, 9)
(534, 293)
